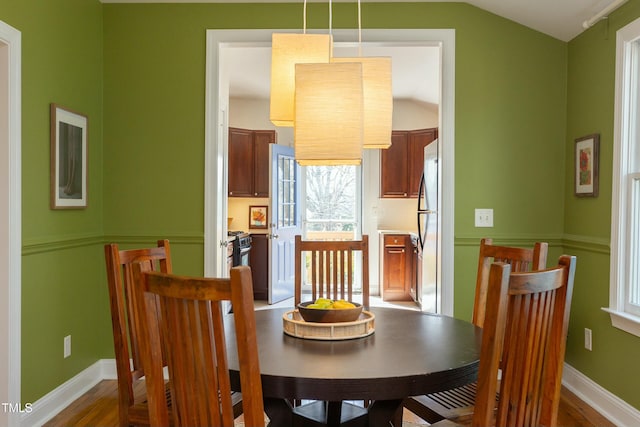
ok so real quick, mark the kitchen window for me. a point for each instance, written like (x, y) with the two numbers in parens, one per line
(624, 299)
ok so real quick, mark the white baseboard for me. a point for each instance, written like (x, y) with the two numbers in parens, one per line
(609, 405)
(56, 400)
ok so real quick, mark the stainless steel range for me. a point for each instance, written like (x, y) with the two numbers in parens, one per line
(241, 246)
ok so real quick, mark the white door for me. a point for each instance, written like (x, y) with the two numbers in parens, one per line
(284, 210)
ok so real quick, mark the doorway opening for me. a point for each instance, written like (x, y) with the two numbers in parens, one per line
(331, 209)
(220, 42)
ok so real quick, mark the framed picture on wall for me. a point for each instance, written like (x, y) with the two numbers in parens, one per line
(586, 165)
(258, 217)
(68, 159)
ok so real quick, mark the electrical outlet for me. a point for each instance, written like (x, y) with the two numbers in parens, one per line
(587, 339)
(484, 218)
(67, 346)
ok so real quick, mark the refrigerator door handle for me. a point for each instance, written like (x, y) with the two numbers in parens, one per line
(421, 194)
(420, 240)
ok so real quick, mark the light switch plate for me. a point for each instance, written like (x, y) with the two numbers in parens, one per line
(67, 346)
(484, 218)
(588, 343)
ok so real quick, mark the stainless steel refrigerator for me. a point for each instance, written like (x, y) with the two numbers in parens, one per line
(428, 239)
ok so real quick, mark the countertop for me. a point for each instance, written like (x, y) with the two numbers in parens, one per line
(413, 233)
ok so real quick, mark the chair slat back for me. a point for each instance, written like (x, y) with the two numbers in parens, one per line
(332, 266)
(533, 350)
(520, 259)
(124, 316)
(192, 328)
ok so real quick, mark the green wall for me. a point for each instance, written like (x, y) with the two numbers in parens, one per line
(63, 289)
(587, 221)
(138, 72)
(510, 114)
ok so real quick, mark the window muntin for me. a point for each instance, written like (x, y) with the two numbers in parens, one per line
(286, 192)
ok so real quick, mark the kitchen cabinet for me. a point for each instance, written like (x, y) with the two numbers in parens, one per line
(397, 267)
(259, 262)
(249, 162)
(401, 164)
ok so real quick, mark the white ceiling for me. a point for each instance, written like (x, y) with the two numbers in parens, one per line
(415, 70)
(561, 19)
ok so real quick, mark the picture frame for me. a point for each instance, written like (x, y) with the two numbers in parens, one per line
(258, 217)
(587, 158)
(68, 158)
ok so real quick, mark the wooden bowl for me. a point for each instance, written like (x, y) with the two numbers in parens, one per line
(329, 315)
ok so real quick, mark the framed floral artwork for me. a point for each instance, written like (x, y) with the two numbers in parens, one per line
(586, 165)
(258, 216)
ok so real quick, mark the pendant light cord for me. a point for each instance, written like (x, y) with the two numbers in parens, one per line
(359, 30)
(304, 22)
(330, 17)
(304, 18)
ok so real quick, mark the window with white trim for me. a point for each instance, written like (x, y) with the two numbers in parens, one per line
(624, 300)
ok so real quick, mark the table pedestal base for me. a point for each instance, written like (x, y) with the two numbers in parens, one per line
(380, 413)
(319, 414)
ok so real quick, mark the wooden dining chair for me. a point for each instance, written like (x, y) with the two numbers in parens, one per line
(132, 406)
(331, 268)
(460, 401)
(520, 259)
(527, 347)
(125, 321)
(330, 272)
(191, 330)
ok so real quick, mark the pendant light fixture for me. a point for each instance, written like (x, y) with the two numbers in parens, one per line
(377, 95)
(377, 100)
(328, 114)
(288, 49)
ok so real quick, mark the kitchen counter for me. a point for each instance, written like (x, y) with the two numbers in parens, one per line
(412, 233)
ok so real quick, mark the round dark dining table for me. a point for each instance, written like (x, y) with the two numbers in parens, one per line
(410, 353)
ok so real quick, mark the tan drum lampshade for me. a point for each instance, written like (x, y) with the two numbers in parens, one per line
(286, 51)
(378, 100)
(328, 114)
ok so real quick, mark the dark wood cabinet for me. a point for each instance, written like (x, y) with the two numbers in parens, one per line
(393, 167)
(401, 164)
(397, 268)
(249, 162)
(259, 262)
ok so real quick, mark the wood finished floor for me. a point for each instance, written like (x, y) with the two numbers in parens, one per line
(99, 408)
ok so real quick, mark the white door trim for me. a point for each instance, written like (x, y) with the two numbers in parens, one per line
(10, 224)
(217, 99)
